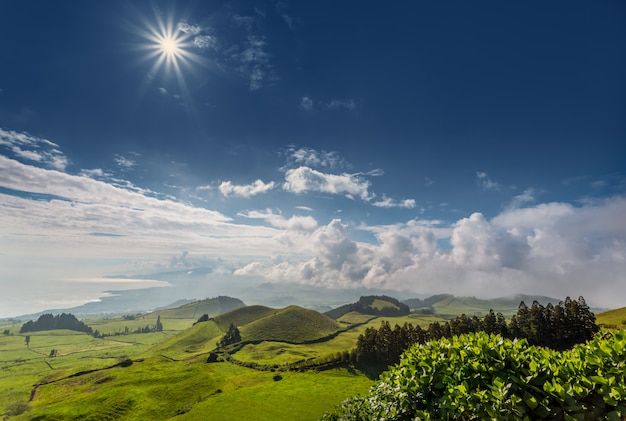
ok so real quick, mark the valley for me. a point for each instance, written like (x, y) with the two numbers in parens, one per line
(284, 367)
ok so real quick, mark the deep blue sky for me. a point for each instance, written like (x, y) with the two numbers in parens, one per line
(410, 114)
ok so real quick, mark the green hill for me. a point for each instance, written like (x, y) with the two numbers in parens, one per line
(210, 306)
(374, 305)
(612, 318)
(199, 338)
(450, 305)
(291, 324)
(242, 316)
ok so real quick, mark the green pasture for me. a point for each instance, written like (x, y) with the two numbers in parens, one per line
(613, 318)
(169, 377)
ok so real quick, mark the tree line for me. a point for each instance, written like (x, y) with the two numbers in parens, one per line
(557, 327)
(60, 321)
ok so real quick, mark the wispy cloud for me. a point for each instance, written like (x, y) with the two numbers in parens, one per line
(309, 104)
(306, 103)
(348, 104)
(254, 63)
(247, 190)
(297, 223)
(527, 196)
(485, 182)
(387, 202)
(33, 148)
(313, 158)
(124, 163)
(304, 179)
(201, 37)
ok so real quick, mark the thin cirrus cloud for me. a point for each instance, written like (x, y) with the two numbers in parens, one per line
(313, 158)
(248, 57)
(34, 149)
(309, 104)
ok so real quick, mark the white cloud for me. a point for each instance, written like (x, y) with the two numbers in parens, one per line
(528, 196)
(248, 190)
(485, 182)
(306, 103)
(554, 249)
(200, 37)
(310, 157)
(304, 179)
(390, 203)
(254, 63)
(348, 104)
(188, 28)
(204, 41)
(33, 148)
(297, 223)
(124, 163)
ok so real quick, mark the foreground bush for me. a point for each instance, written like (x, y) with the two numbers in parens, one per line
(478, 376)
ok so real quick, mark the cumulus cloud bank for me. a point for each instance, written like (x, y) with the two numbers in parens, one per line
(553, 248)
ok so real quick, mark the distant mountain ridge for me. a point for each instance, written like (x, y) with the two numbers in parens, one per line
(448, 304)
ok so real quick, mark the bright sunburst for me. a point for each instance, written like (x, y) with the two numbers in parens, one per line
(170, 47)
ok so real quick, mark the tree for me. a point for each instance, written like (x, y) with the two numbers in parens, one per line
(159, 325)
(27, 341)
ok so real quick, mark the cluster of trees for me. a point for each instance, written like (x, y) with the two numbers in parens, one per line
(558, 327)
(60, 321)
(158, 327)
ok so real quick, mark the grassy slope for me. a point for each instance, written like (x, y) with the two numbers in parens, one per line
(615, 317)
(243, 316)
(379, 304)
(210, 306)
(156, 387)
(293, 324)
(200, 338)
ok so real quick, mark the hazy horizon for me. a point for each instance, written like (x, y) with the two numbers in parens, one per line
(423, 148)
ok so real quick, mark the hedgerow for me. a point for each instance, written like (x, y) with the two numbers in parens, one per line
(478, 376)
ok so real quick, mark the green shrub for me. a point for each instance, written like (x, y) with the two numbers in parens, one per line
(478, 376)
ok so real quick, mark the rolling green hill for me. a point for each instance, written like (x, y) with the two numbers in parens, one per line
(199, 338)
(291, 324)
(450, 305)
(376, 305)
(242, 316)
(612, 318)
(210, 306)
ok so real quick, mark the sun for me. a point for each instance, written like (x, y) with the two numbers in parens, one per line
(166, 45)
(170, 46)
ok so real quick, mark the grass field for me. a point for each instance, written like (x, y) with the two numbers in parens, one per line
(168, 376)
(613, 318)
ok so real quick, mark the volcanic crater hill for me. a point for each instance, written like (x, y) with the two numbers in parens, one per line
(375, 305)
(292, 324)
